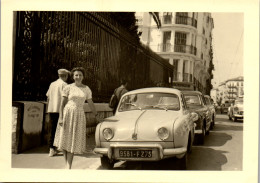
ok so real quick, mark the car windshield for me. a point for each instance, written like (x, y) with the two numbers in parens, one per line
(239, 102)
(144, 101)
(192, 100)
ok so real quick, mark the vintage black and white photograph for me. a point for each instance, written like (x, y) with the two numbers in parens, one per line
(129, 91)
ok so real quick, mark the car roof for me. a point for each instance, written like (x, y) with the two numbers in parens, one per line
(191, 92)
(155, 89)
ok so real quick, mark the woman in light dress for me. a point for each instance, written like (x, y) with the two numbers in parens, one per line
(70, 135)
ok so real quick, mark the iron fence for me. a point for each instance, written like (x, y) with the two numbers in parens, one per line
(47, 41)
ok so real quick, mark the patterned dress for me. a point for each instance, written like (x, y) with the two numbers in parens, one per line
(71, 136)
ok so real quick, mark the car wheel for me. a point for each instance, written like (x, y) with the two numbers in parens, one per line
(201, 137)
(106, 162)
(212, 123)
(207, 131)
(182, 162)
(234, 119)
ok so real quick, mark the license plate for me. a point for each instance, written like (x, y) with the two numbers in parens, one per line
(135, 153)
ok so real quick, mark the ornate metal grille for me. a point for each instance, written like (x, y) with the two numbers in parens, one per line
(47, 41)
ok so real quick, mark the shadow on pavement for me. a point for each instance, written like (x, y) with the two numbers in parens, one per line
(224, 127)
(216, 139)
(203, 158)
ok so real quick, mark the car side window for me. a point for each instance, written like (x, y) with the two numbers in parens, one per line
(183, 101)
(203, 100)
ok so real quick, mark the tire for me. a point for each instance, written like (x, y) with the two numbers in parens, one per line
(106, 163)
(212, 124)
(201, 137)
(182, 163)
(234, 119)
(207, 132)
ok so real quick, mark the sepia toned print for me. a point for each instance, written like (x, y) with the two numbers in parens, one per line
(198, 50)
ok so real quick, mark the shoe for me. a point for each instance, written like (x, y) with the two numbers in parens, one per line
(52, 152)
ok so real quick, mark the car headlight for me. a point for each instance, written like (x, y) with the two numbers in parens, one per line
(108, 133)
(163, 133)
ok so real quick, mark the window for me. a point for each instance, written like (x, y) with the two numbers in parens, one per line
(167, 18)
(180, 38)
(166, 41)
(150, 101)
(192, 99)
(182, 14)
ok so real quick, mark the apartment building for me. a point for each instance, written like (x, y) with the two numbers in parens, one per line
(230, 89)
(235, 88)
(184, 39)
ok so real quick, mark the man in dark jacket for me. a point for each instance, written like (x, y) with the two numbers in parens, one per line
(120, 91)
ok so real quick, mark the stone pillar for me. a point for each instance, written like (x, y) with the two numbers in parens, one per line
(180, 70)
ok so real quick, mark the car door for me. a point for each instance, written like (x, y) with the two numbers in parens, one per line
(207, 112)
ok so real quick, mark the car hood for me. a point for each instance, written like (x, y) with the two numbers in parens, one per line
(144, 124)
(197, 108)
(239, 106)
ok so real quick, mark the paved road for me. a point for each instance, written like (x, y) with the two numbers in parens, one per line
(222, 150)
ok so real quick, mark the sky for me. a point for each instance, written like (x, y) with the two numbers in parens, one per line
(228, 40)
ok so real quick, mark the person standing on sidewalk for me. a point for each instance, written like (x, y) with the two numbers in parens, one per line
(70, 135)
(54, 100)
(120, 91)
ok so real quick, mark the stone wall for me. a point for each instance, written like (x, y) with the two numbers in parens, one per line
(18, 133)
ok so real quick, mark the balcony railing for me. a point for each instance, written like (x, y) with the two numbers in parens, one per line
(177, 48)
(186, 21)
(185, 77)
(232, 86)
(185, 49)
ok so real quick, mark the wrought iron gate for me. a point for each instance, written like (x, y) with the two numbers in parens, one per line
(47, 41)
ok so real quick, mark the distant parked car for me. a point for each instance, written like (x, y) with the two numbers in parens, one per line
(211, 106)
(225, 106)
(236, 111)
(196, 103)
(150, 124)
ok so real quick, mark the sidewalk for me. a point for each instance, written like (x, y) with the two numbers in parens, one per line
(39, 158)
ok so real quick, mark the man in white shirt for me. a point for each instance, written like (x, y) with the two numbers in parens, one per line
(54, 100)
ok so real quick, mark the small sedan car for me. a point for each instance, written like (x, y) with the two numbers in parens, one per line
(150, 124)
(211, 106)
(236, 111)
(197, 103)
(225, 106)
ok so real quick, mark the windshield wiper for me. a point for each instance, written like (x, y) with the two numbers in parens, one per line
(132, 104)
(158, 107)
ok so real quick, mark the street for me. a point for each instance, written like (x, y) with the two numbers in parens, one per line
(222, 150)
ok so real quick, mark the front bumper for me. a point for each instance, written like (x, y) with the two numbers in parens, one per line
(158, 151)
(238, 116)
(199, 131)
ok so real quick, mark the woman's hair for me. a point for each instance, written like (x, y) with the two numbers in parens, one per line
(81, 69)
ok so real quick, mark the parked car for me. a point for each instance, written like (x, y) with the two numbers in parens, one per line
(150, 124)
(211, 106)
(196, 103)
(225, 106)
(236, 111)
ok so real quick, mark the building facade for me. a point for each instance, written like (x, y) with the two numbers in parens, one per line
(230, 89)
(235, 88)
(184, 39)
